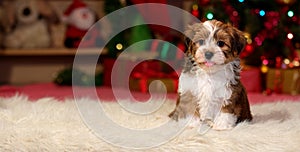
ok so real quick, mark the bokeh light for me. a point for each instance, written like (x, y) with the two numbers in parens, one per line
(290, 13)
(290, 36)
(210, 16)
(262, 13)
(119, 46)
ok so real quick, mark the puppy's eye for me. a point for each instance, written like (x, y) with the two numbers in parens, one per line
(201, 42)
(220, 43)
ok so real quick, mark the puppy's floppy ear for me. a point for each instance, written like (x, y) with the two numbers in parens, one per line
(239, 40)
(187, 41)
(189, 33)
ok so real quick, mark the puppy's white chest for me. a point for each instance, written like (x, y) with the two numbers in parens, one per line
(210, 86)
(210, 91)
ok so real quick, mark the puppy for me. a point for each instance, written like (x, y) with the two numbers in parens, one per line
(209, 85)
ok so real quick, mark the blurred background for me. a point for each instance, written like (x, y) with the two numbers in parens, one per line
(38, 41)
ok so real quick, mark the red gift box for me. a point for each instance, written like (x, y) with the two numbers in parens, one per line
(140, 75)
(148, 71)
(171, 85)
(251, 79)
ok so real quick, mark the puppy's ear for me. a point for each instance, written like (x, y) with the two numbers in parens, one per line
(239, 41)
(189, 37)
(189, 34)
(187, 41)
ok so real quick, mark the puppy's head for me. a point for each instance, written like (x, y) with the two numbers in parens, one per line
(214, 43)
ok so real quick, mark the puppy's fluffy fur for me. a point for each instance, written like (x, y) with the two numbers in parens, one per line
(209, 85)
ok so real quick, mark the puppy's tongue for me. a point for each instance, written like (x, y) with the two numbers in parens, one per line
(207, 63)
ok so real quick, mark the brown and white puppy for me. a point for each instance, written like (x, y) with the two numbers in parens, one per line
(209, 85)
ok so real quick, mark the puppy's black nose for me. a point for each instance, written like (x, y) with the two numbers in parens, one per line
(208, 55)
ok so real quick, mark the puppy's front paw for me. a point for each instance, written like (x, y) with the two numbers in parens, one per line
(174, 115)
(225, 121)
(178, 114)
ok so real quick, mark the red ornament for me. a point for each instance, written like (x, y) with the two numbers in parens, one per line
(249, 48)
(195, 13)
(247, 51)
(278, 62)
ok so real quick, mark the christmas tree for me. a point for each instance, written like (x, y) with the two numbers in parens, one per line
(271, 27)
(117, 43)
(129, 36)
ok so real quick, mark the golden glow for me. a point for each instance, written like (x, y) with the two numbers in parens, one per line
(296, 63)
(286, 61)
(249, 41)
(119, 46)
(264, 69)
(195, 7)
(248, 37)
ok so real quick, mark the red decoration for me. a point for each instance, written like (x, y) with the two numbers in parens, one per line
(79, 19)
(195, 13)
(278, 62)
(152, 70)
(247, 51)
(75, 5)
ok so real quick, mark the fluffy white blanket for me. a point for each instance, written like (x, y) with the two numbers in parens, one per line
(51, 125)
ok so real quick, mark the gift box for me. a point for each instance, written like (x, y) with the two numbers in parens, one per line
(138, 75)
(251, 79)
(156, 85)
(147, 72)
(283, 80)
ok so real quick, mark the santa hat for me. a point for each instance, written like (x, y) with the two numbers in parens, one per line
(76, 4)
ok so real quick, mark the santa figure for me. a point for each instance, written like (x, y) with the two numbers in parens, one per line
(79, 19)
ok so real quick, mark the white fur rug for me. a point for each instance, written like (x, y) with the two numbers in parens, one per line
(50, 125)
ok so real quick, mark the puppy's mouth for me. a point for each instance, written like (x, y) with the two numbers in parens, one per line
(208, 63)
